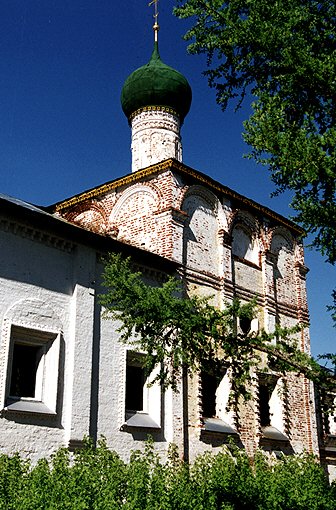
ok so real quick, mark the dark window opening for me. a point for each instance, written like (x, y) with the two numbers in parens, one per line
(326, 423)
(209, 384)
(245, 324)
(327, 407)
(135, 381)
(26, 359)
(264, 409)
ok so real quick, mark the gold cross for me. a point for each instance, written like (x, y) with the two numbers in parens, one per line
(156, 14)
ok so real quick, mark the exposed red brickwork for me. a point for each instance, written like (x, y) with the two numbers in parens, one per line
(181, 218)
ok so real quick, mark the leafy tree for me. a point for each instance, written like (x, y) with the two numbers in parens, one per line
(189, 333)
(283, 55)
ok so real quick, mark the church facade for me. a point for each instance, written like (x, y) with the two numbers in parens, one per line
(64, 374)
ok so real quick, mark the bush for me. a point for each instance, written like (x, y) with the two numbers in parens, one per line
(97, 479)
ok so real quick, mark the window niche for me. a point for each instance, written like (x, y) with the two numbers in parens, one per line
(247, 326)
(271, 408)
(244, 246)
(135, 383)
(327, 403)
(326, 419)
(142, 399)
(209, 385)
(265, 391)
(32, 375)
(26, 366)
(214, 397)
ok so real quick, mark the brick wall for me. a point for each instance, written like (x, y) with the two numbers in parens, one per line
(179, 218)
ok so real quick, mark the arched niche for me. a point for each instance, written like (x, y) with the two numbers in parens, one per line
(91, 219)
(134, 216)
(138, 200)
(246, 270)
(88, 215)
(200, 241)
(244, 245)
(282, 246)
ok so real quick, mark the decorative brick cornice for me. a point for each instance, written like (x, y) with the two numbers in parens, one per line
(188, 172)
(225, 237)
(289, 310)
(109, 186)
(248, 294)
(34, 234)
(303, 270)
(155, 274)
(201, 278)
(165, 109)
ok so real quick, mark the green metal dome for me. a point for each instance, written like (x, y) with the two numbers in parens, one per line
(156, 84)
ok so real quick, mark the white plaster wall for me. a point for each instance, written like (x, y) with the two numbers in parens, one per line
(276, 407)
(111, 398)
(331, 472)
(33, 272)
(222, 400)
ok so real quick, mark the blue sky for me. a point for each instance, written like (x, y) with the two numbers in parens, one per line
(62, 130)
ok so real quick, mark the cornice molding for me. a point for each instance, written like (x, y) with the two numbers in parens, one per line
(36, 235)
(165, 109)
(174, 165)
(109, 186)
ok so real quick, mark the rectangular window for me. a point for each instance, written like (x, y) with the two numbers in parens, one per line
(142, 400)
(264, 405)
(135, 382)
(271, 407)
(329, 417)
(215, 390)
(209, 385)
(32, 371)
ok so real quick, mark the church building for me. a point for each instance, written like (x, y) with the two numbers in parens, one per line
(63, 373)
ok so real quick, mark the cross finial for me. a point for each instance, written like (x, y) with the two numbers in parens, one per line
(156, 27)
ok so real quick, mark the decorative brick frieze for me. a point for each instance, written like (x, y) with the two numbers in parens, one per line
(247, 294)
(197, 278)
(225, 238)
(303, 269)
(40, 236)
(228, 291)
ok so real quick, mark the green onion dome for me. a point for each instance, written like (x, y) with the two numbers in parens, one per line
(158, 85)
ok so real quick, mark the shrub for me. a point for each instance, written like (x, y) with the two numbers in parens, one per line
(97, 479)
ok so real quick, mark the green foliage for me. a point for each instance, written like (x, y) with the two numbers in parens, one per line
(283, 55)
(179, 332)
(332, 308)
(97, 479)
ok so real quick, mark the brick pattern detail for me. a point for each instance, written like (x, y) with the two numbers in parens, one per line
(172, 215)
(155, 137)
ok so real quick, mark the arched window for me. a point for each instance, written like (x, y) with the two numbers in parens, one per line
(244, 246)
(284, 273)
(200, 241)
